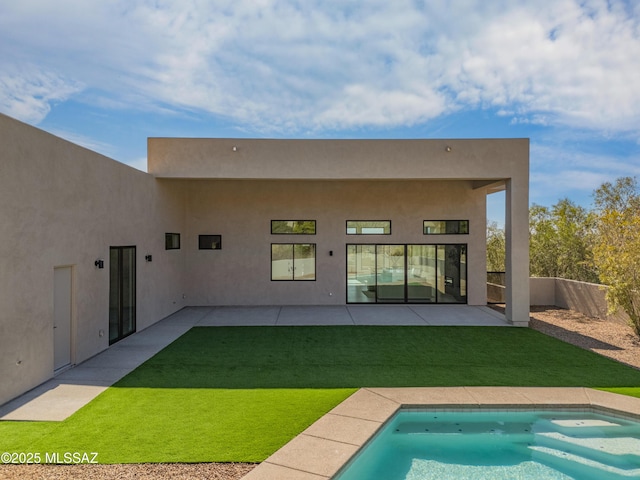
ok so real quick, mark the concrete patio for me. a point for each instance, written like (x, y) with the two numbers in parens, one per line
(67, 392)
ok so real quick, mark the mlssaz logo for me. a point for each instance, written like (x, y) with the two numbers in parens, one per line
(71, 457)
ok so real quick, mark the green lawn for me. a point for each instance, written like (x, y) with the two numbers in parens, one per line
(240, 393)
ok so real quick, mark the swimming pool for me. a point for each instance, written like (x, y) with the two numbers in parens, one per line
(563, 445)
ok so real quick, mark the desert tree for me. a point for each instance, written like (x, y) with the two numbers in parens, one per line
(616, 245)
(560, 240)
(495, 247)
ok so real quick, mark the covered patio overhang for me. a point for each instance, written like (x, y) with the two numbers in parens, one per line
(490, 165)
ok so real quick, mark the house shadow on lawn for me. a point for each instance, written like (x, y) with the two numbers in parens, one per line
(375, 356)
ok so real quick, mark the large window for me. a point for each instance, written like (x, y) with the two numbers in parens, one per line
(407, 273)
(293, 227)
(445, 227)
(368, 227)
(293, 261)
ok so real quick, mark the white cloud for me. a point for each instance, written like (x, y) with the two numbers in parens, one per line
(297, 65)
(574, 62)
(27, 94)
(558, 172)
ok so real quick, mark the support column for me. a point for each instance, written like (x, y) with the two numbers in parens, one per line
(517, 250)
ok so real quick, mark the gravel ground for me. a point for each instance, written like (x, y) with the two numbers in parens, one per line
(197, 471)
(610, 339)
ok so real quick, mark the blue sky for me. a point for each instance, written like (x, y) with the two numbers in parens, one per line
(109, 74)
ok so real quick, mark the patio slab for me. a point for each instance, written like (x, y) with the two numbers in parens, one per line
(314, 315)
(444, 315)
(319, 456)
(64, 397)
(366, 405)
(384, 315)
(240, 316)
(343, 429)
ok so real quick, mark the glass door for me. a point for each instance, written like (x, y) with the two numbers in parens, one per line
(361, 273)
(122, 292)
(390, 273)
(407, 273)
(421, 273)
(452, 274)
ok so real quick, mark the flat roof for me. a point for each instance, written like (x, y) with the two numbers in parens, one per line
(487, 160)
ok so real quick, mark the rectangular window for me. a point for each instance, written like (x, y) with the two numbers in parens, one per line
(293, 227)
(445, 227)
(210, 242)
(172, 241)
(293, 261)
(368, 227)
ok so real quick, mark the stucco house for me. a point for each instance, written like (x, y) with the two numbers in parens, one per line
(92, 250)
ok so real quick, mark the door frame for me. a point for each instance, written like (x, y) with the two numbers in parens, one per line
(121, 292)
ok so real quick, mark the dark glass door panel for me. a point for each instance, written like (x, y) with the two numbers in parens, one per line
(452, 274)
(122, 292)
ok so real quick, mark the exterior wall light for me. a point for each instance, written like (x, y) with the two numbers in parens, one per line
(99, 263)
(448, 148)
(148, 258)
(234, 148)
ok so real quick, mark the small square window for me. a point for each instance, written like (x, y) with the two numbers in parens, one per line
(172, 241)
(210, 242)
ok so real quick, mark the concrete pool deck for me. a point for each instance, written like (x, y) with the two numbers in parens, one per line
(63, 395)
(326, 446)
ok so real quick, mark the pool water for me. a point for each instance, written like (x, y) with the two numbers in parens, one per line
(422, 445)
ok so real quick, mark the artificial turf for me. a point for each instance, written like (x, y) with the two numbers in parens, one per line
(240, 393)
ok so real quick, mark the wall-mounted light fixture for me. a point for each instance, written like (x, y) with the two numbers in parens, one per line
(447, 148)
(331, 253)
(99, 263)
(234, 148)
(148, 258)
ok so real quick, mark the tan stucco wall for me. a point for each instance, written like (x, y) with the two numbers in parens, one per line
(543, 291)
(241, 211)
(586, 298)
(61, 205)
(338, 159)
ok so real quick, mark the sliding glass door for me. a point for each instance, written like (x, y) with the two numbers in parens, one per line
(361, 274)
(390, 273)
(122, 292)
(452, 274)
(421, 274)
(406, 273)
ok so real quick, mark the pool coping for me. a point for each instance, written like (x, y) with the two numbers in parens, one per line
(326, 446)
